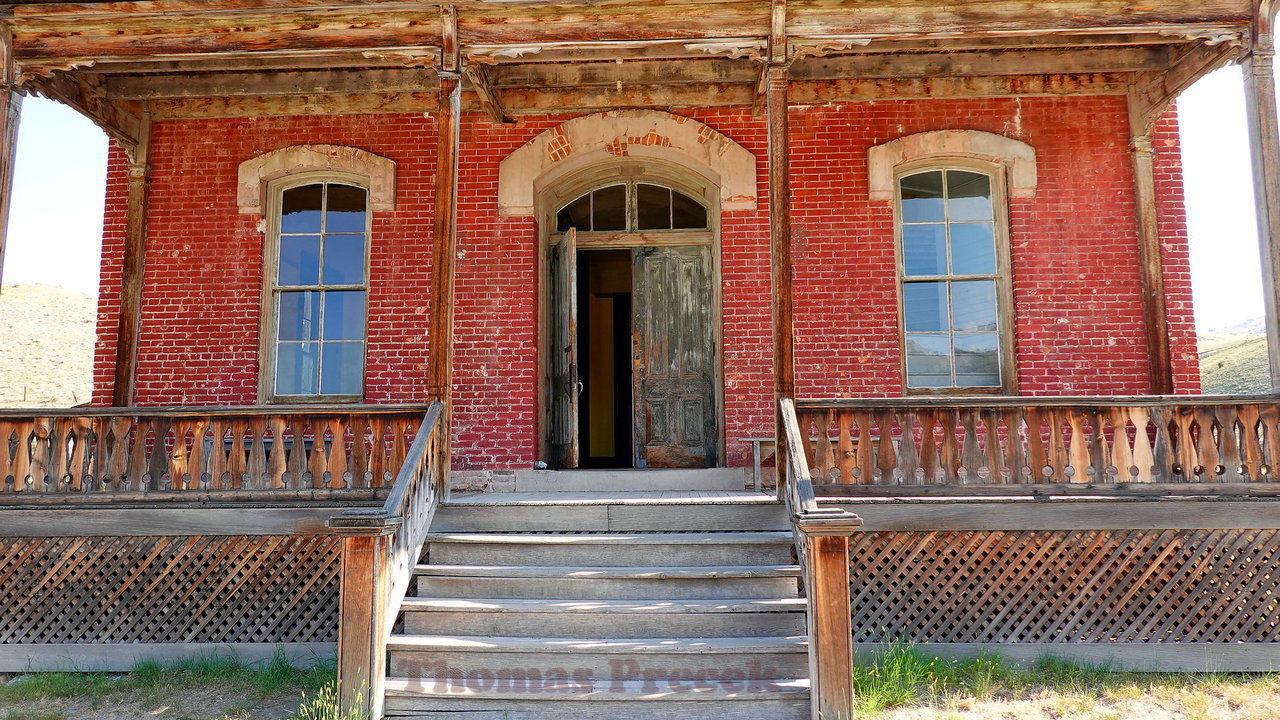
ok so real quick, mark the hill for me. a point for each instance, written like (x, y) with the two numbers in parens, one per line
(46, 346)
(1233, 360)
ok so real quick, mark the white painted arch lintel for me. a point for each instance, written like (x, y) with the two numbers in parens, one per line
(631, 134)
(258, 172)
(1017, 157)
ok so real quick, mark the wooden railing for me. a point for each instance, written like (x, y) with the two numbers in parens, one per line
(275, 449)
(378, 559)
(822, 549)
(1042, 445)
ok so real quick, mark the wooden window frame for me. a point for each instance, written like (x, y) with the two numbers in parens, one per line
(633, 237)
(1005, 315)
(270, 314)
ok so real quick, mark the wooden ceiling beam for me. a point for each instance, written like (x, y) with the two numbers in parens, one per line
(86, 94)
(1010, 62)
(1151, 93)
(519, 102)
(478, 78)
(491, 80)
(320, 82)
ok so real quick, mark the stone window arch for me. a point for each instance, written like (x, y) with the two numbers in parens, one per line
(1016, 158)
(257, 174)
(561, 156)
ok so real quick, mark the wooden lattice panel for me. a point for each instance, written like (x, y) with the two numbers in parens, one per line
(191, 589)
(1143, 586)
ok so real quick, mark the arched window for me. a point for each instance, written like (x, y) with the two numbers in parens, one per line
(953, 280)
(632, 207)
(318, 280)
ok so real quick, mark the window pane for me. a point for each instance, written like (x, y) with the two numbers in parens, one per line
(344, 315)
(345, 211)
(296, 368)
(343, 368)
(687, 213)
(973, 249)
(299, 260)
(924, 249)
(924, 306)
(973, 305)
(653, 207)
(922, 197)
(609, 208)
(928, 361)
(576, 214)
(968, 196)
(299, 316)
(344, 259)
(977, 359)
(300, 209)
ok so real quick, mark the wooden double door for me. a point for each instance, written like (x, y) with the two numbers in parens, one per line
(661, 347)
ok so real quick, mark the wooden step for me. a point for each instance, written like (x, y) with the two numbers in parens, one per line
(476, 698)
(599, 658)
(597, 549)
(491, 513)
(606, 618)
(630, 480)
(608, 583)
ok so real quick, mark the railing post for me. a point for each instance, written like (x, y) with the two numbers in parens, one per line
(362, 608)
(830, 618)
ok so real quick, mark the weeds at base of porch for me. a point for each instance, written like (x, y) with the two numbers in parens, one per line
(165, 687)
(904, 682)
(326, 704)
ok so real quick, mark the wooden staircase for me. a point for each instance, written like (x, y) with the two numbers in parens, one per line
(618, 605)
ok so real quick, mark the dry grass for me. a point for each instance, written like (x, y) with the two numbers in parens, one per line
(907, 685)
(46, 346)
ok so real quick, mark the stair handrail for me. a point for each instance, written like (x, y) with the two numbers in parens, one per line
(822, 550)
(379, 553)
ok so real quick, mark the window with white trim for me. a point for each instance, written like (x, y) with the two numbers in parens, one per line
(319, 248)
(952, 281)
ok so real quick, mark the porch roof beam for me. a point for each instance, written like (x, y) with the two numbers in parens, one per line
(638, 72)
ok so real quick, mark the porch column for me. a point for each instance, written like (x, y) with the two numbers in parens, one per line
(133, 265)
(1154, 308)
(443, 256)
(784, 368)
(1264, 145)
(10, 111)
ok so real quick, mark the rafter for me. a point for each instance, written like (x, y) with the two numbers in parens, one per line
(1152, 92)
(478, 78)
(87, 95)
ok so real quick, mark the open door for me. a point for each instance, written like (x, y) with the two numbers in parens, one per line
(565, 385)
(674, 357)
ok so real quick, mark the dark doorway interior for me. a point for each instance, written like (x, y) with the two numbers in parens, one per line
(604, 358)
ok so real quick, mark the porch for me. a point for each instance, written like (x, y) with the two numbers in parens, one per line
(1135, 531)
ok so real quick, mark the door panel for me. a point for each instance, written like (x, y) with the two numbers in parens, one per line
(673, 357)
(565, 386)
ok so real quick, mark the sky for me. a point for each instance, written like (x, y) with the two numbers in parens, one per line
(55, 225)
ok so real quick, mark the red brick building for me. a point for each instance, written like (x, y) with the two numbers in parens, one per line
(360, 253)
(1074, 323)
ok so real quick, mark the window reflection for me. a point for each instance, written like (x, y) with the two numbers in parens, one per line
(321, 292)
(950, 310)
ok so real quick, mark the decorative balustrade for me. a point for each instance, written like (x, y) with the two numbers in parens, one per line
(204, 449)
(378, 559)
(997, 443)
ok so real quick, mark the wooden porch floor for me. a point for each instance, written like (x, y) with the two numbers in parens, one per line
(637, 497)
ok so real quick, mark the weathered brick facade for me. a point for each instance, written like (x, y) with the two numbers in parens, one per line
(1078, 324)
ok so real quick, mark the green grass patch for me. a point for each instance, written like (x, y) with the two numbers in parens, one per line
(903, 674)
(153, 679)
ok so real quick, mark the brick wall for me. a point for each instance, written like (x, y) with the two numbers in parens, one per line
(1078, 327)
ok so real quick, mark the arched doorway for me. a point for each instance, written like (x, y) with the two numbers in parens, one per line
(632, 337)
